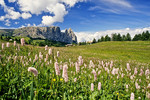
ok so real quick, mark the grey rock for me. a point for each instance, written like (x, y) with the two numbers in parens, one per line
(50, 33)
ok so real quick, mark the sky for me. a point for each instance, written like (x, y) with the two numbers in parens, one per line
(88, 18)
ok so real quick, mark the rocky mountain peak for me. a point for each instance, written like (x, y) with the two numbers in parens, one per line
(50, 33)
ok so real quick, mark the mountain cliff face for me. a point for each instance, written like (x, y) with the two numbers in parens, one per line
(50, 33)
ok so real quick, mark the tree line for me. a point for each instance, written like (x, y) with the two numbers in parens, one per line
(145, 36)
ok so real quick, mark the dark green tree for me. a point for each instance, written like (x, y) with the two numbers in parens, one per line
(107, 38)
(94, 40)
(119, 38)
(128, 37)
(102, 39)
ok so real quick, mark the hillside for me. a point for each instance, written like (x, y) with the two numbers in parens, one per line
(50, 33)
(124, 51)
(105, 71)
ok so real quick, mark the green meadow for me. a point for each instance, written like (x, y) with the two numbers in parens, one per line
(100, 71)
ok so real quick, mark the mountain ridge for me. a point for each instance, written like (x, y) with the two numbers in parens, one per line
(50, 33)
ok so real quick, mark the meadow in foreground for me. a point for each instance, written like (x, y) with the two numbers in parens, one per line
(29, 72)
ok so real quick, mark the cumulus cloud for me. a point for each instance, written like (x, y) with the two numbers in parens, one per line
(10, 12)
(26, 15)
(11, 1)
(71, 3)
(7, 22)
(89, 36)
(58, 16)
(55, 9)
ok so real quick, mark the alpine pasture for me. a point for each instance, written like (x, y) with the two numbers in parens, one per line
(100, 71)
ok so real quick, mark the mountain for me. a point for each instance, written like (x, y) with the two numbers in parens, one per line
(51, 33)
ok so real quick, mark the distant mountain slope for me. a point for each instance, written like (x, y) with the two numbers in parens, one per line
(51, 33)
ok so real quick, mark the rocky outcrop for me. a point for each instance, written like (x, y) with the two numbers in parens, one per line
(50, 33)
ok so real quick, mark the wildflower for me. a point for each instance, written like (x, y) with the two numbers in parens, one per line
(111, 64)
(57, 68)
(46, 47)
(61, 79)
(147, 72)
(99, 85)
(65, 74)
(135, 71)
(141, 72)
(91, 64)
(77, 67)
(128, 67)
(80, 60)
(75, 79)
(139, 98)
(14, 43)
(33, 70)
(50, 51)
(22, 41)
(115, 71)
(54, 80)
(99, 72)
(117, 93)
(148, 86)
(92, 87)
(3, 45)
(137, 86)
(148, 95)
(7, 45)
(132, 96)
(58, 54)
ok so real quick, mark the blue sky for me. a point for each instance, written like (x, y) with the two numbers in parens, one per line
(80, 15)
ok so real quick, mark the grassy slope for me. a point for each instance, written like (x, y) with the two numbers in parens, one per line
(126, 51)
(138, 51)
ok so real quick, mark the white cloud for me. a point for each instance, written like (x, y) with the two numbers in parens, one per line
(59, 13)
(56, 9)
(7, 22)
(16, 23)
(113, 6)
(26, 15)
(2, 18)
(71, 3)
(10, 12)
(88, 36)
(11, 1)
(122, 3)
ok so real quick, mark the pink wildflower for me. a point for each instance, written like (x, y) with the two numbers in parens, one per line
(135, 71)
(99, 85)
(22, 41)
(46, 47)
(141, 72)
(33, 70)
(77, 67)
(132, 96)
(14, 43)
(65, 74)
(50, 51)
(92, 87)
(80, 60)
(58, 54)
(3, 45)
(75, 79)
(7, 45)
(148, 95)
(57, 69)
(128, 67)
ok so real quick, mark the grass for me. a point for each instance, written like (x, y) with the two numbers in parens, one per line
(125, 51)
(17, 83)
